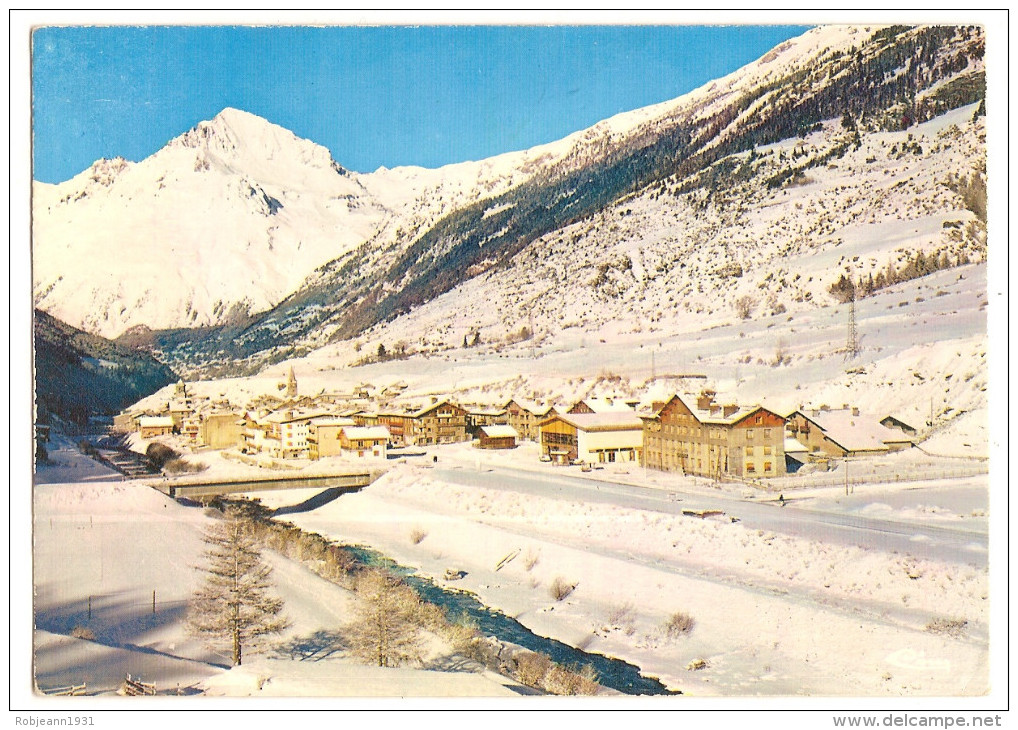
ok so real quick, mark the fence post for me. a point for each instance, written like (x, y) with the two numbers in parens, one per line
(153, 601)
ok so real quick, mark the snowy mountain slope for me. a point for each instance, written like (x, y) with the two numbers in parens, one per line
(224, 221)
(781, 123)
(601, 326)
(731, 191)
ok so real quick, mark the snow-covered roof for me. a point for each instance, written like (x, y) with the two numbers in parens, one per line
(332, 421)
(607, 405)
(735, 413)
(155, 422)
(486, 411)
(293, 414)
(499, 432)
(853, 430)
(614, 421)
(793, 446)
(417, 413)
(366, 433)
(538, 409)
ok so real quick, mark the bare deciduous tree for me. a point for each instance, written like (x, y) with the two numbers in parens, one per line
(387, 631)
(233, 606)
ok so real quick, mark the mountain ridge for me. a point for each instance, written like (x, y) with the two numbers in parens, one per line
(462, 226)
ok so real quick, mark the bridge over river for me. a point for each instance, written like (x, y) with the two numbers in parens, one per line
(190, 487)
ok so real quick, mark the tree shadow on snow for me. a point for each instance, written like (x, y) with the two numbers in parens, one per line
(315, 647)
(123, 620)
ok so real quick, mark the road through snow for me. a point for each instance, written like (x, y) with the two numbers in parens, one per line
(966, 545)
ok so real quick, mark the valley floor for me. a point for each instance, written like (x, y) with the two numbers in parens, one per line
(774, 611)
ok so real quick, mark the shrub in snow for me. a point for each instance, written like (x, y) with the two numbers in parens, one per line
(181, 466)
(530, 560)
(559, 588)
(619, 614)
(948, 626)
(744, 306)
(83, 632)
(531, 668)
(160, 454)
(562, 681)
(417, 535)
(678, 624)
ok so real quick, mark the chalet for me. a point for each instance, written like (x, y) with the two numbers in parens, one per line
(442, 422)
(478, 417)
(151, 426)
(497, 437)
(592, 437)
(524, 415)
(843, 432)
(396, 422)
(190, 426)
(699, 436)
(607, 404)
(365, 441)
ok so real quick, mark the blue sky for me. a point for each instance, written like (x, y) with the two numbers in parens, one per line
(373, 95)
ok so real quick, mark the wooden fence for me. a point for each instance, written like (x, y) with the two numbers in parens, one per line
(72, 690)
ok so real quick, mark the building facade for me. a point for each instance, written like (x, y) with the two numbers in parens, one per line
(703, 438)
(592, 438)
(497, 437)
(845, 431)
(524, 416)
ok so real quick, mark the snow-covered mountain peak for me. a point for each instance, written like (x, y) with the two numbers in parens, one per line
(236, 140)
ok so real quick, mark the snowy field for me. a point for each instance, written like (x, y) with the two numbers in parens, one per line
(800, 617)
(103, 546)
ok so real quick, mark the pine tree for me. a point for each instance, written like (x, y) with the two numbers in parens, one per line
(233, 606)
(387, 630)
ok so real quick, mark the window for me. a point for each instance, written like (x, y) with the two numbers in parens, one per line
(767, 466)
(767, 450)
(767, 433)
(749, 434)
(750, 468)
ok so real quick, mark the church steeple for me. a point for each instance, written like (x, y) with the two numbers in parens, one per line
(291, 384)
